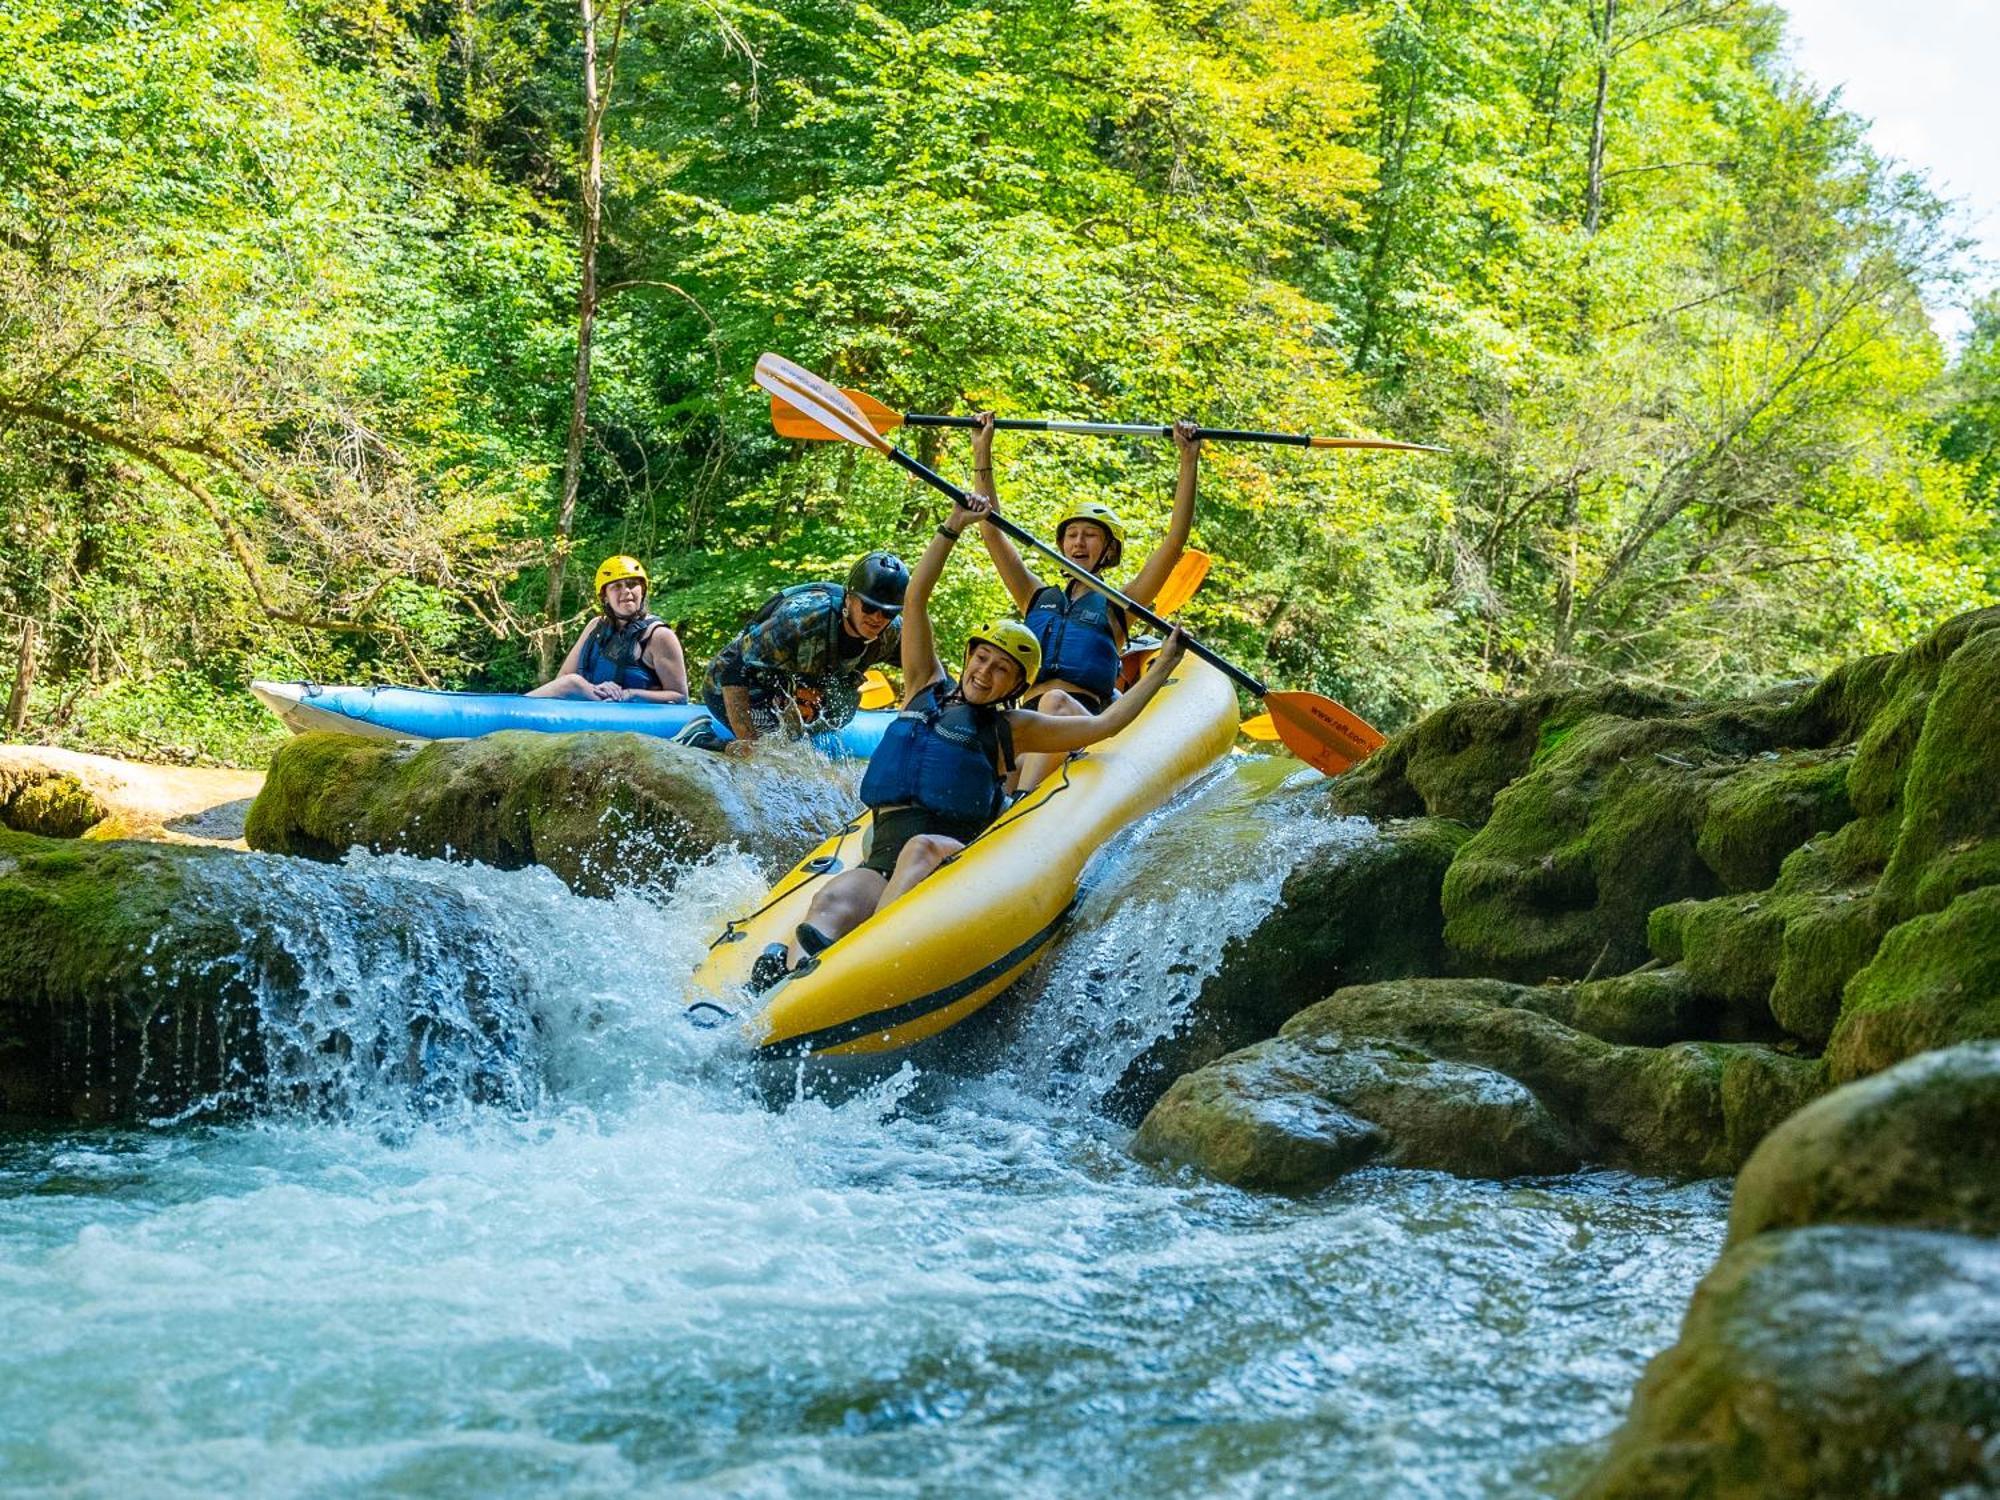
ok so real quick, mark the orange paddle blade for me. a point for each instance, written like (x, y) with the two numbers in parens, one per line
(875, 690)
(790, 422)
(1385, 444)
(826, 404)
(1258, 727)
(1181, 583)
(1321, 733)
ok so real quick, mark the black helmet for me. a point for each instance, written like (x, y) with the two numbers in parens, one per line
(880, 579)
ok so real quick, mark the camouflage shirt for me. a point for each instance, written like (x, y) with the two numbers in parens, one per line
(796, 641)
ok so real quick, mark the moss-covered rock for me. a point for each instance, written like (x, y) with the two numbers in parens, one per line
(1691, 1109)
(1934, 982)
(1829, 1361)
(1764, 811)
(140, 980)
(1605, 828)
(1294, 1113)
(1646, 1008)
(1360, 910)
(1949, 839)
(1912, 1146)
(51, 803)
(601, 810)
(1454, 762)
(95, 939)
(1253, 1122)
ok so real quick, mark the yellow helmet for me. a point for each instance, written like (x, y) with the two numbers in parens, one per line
(617, 570)
(1019, 642)
(1097, 515)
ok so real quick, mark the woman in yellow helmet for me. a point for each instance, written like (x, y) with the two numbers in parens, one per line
(625, 655)
(937, 778)
(1082, 634)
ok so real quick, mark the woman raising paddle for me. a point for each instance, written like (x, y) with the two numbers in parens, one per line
(1082, 634)
(936, 781)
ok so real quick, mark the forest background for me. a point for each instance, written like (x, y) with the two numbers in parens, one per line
(290, 301)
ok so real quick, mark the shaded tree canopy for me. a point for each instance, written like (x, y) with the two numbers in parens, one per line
(288, 322)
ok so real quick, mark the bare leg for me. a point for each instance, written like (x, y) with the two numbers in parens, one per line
(569, 685)
(844, 903)
(1031, 769)
(919, 858)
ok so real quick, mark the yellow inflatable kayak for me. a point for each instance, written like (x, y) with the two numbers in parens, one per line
(915, 970)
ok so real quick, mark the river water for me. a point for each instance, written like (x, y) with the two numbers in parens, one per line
(583, 1260)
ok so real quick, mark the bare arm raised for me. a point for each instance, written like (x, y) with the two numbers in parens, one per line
(1014, 575)
(1150, 579)
(1063, 732)
(921, 664)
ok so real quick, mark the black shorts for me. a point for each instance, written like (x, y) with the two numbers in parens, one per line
(896, 826)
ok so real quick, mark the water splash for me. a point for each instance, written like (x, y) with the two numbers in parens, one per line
(392, 987)
(1164, 903)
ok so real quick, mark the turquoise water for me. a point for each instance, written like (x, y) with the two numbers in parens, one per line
(621, 1276)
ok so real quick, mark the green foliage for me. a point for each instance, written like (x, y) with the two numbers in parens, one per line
(288, 320)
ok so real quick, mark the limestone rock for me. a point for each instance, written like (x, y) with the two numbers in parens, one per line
(66, 794)
(1691, 1109)
(1354, 913)
(1934, 982)
(1912, 1146)
(1827, 1361)
(1293, 1114)
(601, 810)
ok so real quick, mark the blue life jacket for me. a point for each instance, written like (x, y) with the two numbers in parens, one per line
(944, 755)
(1081, 638)
(616, 653)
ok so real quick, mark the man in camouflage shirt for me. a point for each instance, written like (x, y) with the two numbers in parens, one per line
(803, 654)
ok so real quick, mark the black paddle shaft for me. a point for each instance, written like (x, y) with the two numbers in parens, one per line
(938, 482)
(1111, 429)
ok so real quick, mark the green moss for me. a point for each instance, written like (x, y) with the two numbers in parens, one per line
(52, 804)
(1769, 808)
(1828, 939)
(1934, 982)
(1646, 1008)
(1728, 947)
(1454, 762)
(1949, 842)
(1578, 851)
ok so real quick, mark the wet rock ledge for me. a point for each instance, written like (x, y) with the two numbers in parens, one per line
(602, 811)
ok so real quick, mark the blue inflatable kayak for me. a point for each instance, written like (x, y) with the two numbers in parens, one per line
(420, 714)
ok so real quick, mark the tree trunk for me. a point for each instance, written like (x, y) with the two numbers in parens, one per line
(550, 649)
(1593, 202)
(1565, 602)
(24, 676)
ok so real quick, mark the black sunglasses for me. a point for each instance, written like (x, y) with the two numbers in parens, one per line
(883, 611)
